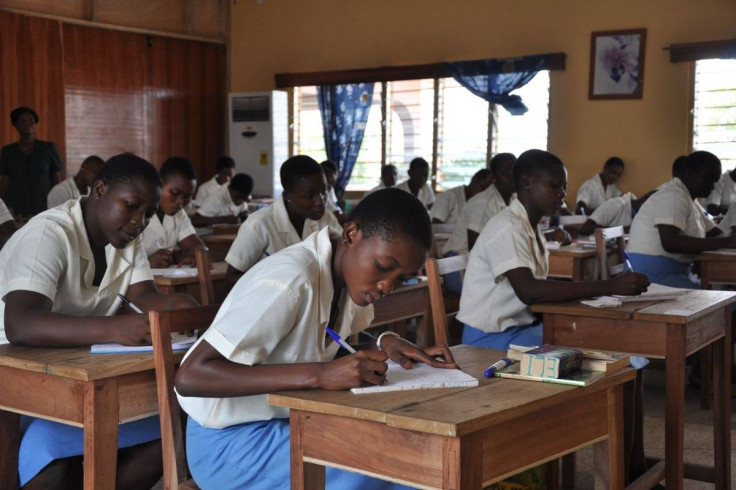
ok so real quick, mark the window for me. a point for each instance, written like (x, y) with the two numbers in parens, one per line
(458, 140)
(714, 111)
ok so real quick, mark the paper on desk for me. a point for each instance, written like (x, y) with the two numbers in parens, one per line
(553, 245)
(175, 272)
(421, 376)
(179, 341)
(602, 302)
(655, 292)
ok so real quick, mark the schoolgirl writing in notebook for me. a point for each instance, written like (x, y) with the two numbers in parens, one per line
(60, 276)
(269, 335)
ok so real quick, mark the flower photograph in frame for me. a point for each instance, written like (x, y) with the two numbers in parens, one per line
(617, 64)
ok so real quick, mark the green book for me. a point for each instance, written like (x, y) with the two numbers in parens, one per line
(580, 377)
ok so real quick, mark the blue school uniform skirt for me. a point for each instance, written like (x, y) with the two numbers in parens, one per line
(43, 441)
(255, 455)
(664, 270)
(526, 336)
(453, 280)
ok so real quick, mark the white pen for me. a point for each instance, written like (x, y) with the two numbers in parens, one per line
(130, 304)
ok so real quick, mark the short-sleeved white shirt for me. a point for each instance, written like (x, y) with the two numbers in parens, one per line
(331, 202)
(670, 205)
(5, 214)
(276, 314)
(51, 255)
(448, 205)
(377, 188)
(207, 189)
(728, 220)
(168, 234)
(477, 212)
(62, 192)
(614, 212)
(593, 194)
(724, 193)
(488, 301)
(219, 203)
(269, 230)
(425, 194)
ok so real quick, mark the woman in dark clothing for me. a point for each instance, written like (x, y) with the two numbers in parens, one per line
(29, 168)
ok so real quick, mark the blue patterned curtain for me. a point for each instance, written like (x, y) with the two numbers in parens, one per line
(344, 110)
(494, 79)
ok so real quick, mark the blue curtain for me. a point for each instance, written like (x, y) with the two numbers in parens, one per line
(344, 110)
(494, 79)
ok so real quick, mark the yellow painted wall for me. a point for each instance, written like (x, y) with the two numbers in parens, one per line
(291, 36)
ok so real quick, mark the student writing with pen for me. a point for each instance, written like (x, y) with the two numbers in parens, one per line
(269, 335)
(60, 276)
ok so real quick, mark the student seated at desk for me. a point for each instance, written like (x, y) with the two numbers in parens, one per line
(389, 176)
(507, 268)
(269, 336)
(228, 204)
(417, 183)
(331, 204)
(299, 212)
(450, 203)
(225, 170)
(618, 211)
(169, 237)
(60, 276)
(671, 228)
(723, 195)
(77, 186)
(600, 188)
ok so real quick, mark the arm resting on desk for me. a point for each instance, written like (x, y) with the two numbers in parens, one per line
(675, 241)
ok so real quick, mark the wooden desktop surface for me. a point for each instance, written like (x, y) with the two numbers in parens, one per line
(219, 245)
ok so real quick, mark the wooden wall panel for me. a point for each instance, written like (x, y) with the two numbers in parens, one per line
(66, 8)
(105, 93)
(31, 74)
(160, 15)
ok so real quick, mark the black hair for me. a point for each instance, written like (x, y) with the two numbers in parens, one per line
(225, 162)
(614, 162)
(178, 166)
(19, 111)
(242, 183)
(93, 159)
(126, 167)
(678, 166)
(329, 164)
(418, 162)
(701, 161)
(533, 161)
(296, 168)
(389, 213)
(388, 168)
(481, 174)
(499, 160)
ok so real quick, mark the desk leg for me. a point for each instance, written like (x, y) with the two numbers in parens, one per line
(101, 412)
(674, 410)
(9, 447)
(608, 455)
(722, 406)
(462, 462)
(304, 476)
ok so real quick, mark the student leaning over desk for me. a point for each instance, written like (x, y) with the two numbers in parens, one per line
(60, 276)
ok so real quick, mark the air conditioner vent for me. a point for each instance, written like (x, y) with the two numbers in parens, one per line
(250, 108)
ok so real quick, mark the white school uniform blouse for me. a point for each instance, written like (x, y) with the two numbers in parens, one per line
(727, 222)
(207, 189)
(425, 194)
(331, 202)
(614, 212)
(219, 203)
(670, 205)
(276, 314)
(168, 234)
(269, 230)
(488, 301)
(593, 194)
(376, 188)
(5, 214)
(448, 205)
(724, 193)
(62, 192)
(477, 212)
(51, 256)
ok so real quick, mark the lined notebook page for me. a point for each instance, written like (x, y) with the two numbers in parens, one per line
(179, 341)
(421, 376)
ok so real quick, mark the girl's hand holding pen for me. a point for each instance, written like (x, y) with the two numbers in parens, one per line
(364, 368)
(134, 330)
(630, 283)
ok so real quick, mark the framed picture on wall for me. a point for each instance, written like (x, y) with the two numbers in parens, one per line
(617, 64)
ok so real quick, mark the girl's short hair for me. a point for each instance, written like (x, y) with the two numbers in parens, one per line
(532, 161)
(242, 183)
(499, 160)
(178, 166)
(126, 167)
(390, 213)
(296, 168)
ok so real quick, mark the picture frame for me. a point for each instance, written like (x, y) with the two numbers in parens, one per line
(617, 64)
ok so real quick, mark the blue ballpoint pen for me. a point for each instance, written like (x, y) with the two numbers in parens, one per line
(628, 261)
(488, 373)
(339, 341)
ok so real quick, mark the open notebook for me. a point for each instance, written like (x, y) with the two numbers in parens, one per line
(655, 292)
(179, 341)
(175, 272)
(421, 376)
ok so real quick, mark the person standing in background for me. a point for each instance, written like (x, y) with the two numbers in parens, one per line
(29, 168)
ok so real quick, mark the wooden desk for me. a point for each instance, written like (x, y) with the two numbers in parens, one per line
(93, 391)
(219, 245)
(670, 330)
(225, 229)
(407, 302)
(190, 284)
(456, 438)
(576, 263)
(717, 268)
